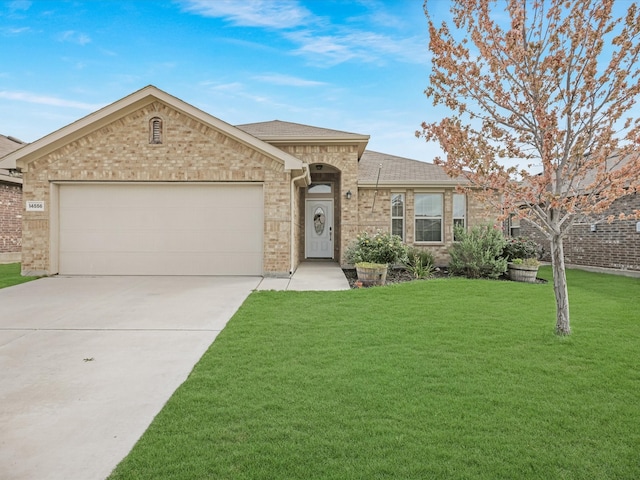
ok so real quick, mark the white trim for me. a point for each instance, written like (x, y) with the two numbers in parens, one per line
(465, 219)
(416, 217)
(54, 228)
(307, 178)
(404, 214)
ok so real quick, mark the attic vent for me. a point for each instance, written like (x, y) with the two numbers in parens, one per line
(155, 131)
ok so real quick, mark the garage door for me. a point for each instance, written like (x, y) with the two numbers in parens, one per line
(160, 229)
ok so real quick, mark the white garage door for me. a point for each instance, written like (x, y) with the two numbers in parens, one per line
(160, 229)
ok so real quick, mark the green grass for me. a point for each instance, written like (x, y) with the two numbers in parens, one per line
(10, 275)
(445, 378)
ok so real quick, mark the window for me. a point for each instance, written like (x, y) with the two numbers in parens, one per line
(316, 188)
(155, 131)
(514, 226)
(397, 214)
(459, 212)
(428, 217)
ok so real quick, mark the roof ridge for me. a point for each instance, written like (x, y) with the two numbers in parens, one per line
(297, 124)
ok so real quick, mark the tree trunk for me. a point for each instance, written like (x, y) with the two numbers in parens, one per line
(560, 286)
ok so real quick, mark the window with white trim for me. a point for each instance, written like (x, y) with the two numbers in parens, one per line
(459, 212)
(397, 214)
(428, 217)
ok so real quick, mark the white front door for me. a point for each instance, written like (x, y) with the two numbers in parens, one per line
(319, 229)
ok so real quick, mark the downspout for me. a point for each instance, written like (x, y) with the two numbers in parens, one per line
(305, 173)
(375, 193)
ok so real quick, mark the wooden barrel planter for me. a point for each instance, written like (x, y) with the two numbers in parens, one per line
(371, 273)
(522, 273)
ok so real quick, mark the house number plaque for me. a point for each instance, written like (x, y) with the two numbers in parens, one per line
(35, 206)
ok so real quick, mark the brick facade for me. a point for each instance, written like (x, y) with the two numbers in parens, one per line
(10, 219)
(157, 140)
(613, 245)
(190, 151)
(376, 216)
(344, 158)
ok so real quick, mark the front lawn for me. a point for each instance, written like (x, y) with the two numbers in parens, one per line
(10, 275)
(447, 378)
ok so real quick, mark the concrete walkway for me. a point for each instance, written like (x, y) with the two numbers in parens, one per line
(310, 275)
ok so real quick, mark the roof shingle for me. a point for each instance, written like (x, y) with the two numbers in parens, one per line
(9, 144)
(288, 130)
(399, 171)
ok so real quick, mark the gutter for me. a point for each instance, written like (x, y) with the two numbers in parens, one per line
(412, 184)
(305, 174)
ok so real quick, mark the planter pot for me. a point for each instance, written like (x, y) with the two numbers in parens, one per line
(522, 273)
(371, 273)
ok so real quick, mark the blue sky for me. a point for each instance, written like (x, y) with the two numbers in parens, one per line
(358, 66)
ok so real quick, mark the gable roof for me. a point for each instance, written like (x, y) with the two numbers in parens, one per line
(8, 145)
(278, 132)
(399, 171)
(128, 104)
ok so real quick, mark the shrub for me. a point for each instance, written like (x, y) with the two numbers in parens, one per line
(381, 248)
(527, 262)
(420, 263)
(520, 247)
(478, 253)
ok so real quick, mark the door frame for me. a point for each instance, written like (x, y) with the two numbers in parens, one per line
(331, 226)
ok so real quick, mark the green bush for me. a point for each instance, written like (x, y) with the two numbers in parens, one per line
(478, 253)
(420, 263)
(520, 247)
(381, 248)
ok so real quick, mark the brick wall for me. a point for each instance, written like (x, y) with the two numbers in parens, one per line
(374, 216)
(613, 245)
(10, 218)
(345, 159)
(190, 151)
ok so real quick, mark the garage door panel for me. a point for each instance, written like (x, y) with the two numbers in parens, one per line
(132, 242)
(172, 263)
(175, 218)
(126, 229)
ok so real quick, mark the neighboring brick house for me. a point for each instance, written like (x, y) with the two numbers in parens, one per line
(152, 185)
(614, 245)
(10, 205)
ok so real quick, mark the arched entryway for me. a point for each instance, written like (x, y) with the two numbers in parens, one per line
(322, 204)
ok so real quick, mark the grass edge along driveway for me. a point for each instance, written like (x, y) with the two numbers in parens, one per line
(10, 275)
(449, 378)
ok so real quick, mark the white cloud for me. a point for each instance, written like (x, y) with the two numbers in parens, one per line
(326, 48)
(11, 31)
(223, 87)
(74, 37)
(29, 97)
(19, 5)
(321, 39)
(279, 14)
(287, 80)
(361, 45)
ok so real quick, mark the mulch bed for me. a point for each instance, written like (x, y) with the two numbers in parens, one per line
(394, 275)
(399, 275)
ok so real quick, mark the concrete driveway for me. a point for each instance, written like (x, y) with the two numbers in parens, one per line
(87, 362)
